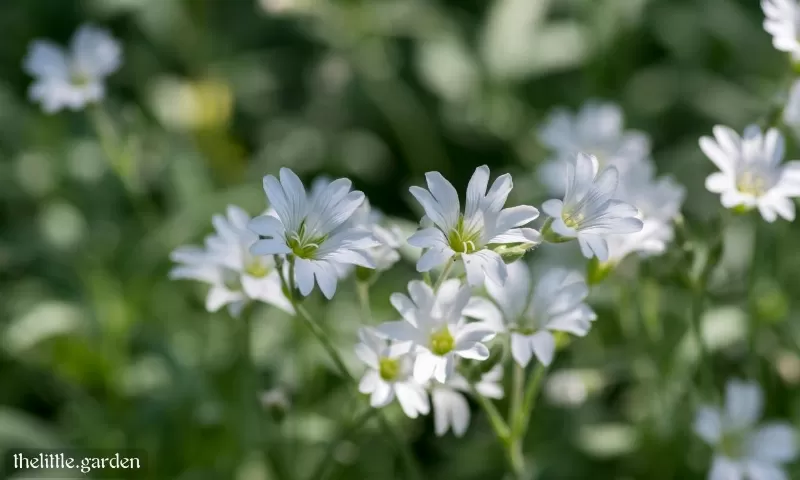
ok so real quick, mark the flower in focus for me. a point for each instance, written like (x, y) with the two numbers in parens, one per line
(781, 22)
(530, 314)
(659, 202)
(596, 129)
(71, 79)
(742, 449)
(313, 231)
(434, 327)
(751, 174)
(589, 211)
(389, 375)
(484, 224)
(225, 263)
(450, 407)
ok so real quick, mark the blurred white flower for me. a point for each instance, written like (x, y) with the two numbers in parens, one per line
(225, 263)
(742, 449)
(751, 174)
(659, 202)
(530, 314)
(450, 407)
(589, 211)
(596, 129)
(484, 222)
(389, 375)
(434, 327)
(313, 231)
(781, 22)
(791, 111)
(71, 79)
(385, 254)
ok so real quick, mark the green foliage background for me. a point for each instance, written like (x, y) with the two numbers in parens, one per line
(100, 350)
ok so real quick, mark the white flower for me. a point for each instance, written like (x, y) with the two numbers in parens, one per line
(450, 407)
(225, 263)
(74, 78)
(530, 314)
(743, 450)
(589, 211)
(484, 223)
(434, 327)
(782, 23)
(389, 375)
(313, 231)
(658, 200)
(596, 129)
(751, 174)
(385, 254)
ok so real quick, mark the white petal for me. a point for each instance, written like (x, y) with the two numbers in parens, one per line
(304, 276)
(267, 226)
(515, 217)
(428, 238)
(434, 211)
(774, 443)
(553, 208)
(456, 410)
(483, 309)
(400, 331)
(219, 296)
(708, 425)
(476, 190)
(744, 402)
(478, 352)
(433, 258)
(46, 59)
(497, 194)
(95, 52)
(521, 349)
(446, 196)
(472, 333)
(413, 400)
(724, 468)
(720, 158)
(764, 471)
(369, 382)
(424, 366)
(382, 395)
(543, 345)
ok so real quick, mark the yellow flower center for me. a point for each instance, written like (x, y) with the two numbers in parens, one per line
(302, 246)
(255, 268)
(389, 368)
(572, 220)
(752, 183)
(733, 444)
(442, 342)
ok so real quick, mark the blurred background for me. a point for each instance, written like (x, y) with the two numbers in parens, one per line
(98, 349)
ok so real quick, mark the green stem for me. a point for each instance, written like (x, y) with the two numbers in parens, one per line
(499, 425)
(362, 289)
(322, 470)
(696, 315)
(445, 273)
(517, 384)
(534, 384)
(411, 465)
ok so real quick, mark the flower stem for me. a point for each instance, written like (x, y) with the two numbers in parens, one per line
(362, 289)
(322, 470)
(517, 384)
(445, 273)
(534, 383)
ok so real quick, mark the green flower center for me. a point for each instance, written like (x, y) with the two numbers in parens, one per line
(232, 280)
(389, 368)
(523, 330)
(79, 79)
(732, 444)
(256, 269)
(461, 240)
(303, 246)
(442, 342)
(752, 183)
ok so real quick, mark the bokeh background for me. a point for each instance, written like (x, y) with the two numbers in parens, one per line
(98, 349)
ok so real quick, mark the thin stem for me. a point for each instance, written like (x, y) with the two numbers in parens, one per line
(362, 289)
(695, 317)
(499, 425)
(445, 273)
(322, 470)
(531, 392)
(517, 384)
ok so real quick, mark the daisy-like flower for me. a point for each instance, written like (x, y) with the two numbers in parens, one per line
(471, 235)
(597, 129)
(589, 211)
(450, 407)
(225, 262)
(781, 22)
(313, 232)
(659, 202)
(434, 327)
(751, 174)
(71, 79)
(531, 314)
(389, 375)
(742, 448)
